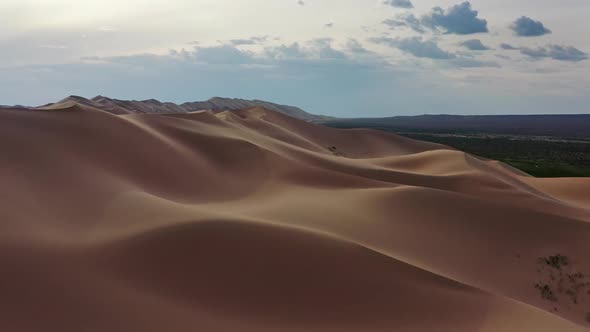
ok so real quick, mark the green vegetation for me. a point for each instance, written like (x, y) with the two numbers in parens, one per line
(533, 155)
(561, 281)
(540, 156)
(546, 292)
(556, 262)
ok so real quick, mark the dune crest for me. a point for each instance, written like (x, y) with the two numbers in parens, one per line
(251, 220)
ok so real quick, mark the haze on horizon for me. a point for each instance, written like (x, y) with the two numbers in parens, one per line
(349, 58)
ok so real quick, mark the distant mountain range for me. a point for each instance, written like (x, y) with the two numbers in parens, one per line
(559, 125)
(117, 106)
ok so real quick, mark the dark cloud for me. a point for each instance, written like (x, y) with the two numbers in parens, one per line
(474, 45)
(556, 52)
(416, 46)
(460, 19)
(505, 46)
(405, 21)
(301, 3)
(421, 48)
(399, 3)
(527, 27)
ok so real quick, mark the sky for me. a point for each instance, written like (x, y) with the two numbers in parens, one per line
(347, 58)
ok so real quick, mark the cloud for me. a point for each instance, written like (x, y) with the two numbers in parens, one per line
(473, 63)
(293, 51)
(55, 47)
(421, 48)
(250, 41)
(474, 45)
(556, 52)
(416, 46)
(505, 46)
(459, 19)
(238, 42)
(301, 3)
(315, 49)
(322, 48)
(319, 48)
(314, 75)
(399, 3)
(527, 27)
(405, 20)
(355, 47)
(225, 54)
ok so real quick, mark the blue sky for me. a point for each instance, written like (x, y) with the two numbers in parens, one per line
(352, 58)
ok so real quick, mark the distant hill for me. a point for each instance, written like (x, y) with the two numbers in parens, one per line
(534, 125)
(117, 106)
(558, 125)
(217, 103)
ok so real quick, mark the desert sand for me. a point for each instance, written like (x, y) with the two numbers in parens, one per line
(251, 220)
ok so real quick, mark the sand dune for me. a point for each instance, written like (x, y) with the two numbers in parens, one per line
(251, 220)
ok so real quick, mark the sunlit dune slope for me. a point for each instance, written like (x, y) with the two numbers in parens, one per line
(251, 220)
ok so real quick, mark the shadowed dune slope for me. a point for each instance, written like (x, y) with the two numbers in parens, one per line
(251, 220)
